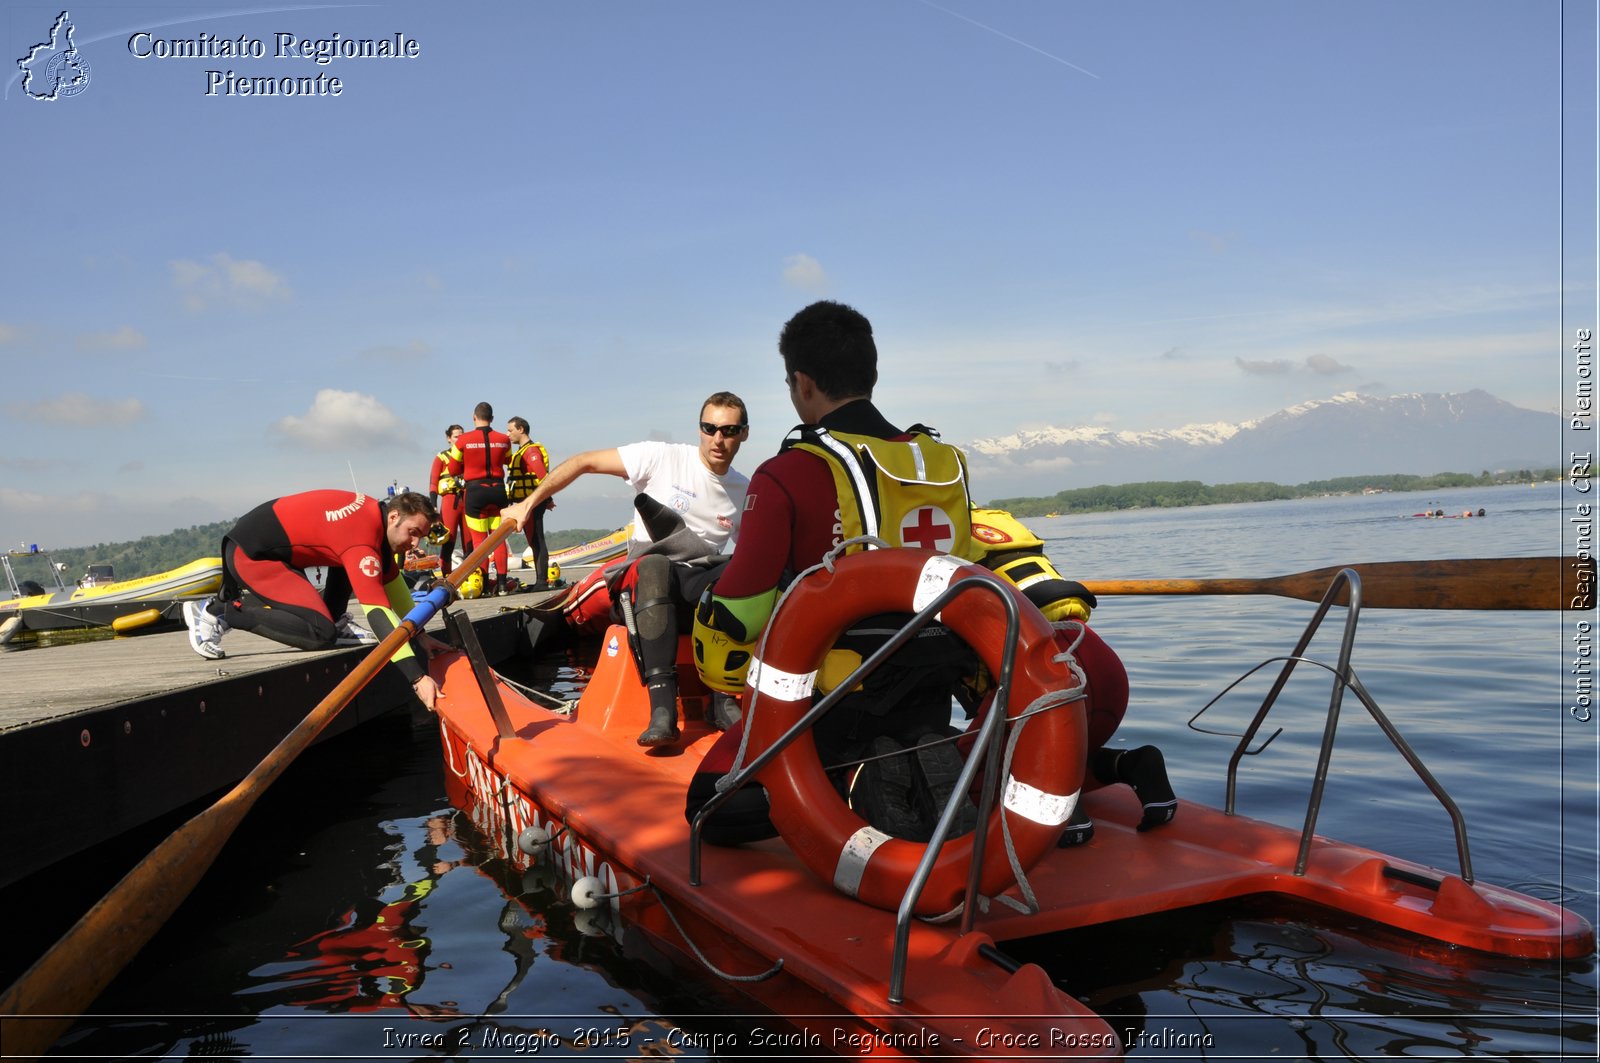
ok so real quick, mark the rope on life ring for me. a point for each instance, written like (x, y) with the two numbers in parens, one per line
(1043, 776)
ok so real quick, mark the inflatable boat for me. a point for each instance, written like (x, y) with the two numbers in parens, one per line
(864, 943)
(123, 605)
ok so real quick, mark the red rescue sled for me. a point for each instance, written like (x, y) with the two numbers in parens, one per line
(825, 961)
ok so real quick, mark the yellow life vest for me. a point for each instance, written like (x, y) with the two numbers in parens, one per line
(908, 493)
(447, 485)
(1004, 544)
(519, 482)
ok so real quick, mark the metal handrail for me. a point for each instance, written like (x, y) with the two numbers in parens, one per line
(985, 748)
(1343, 677)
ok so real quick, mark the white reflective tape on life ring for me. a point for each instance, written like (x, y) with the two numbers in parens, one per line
(854, 857)
(776, 683)
(1030, 802)
(937, 572)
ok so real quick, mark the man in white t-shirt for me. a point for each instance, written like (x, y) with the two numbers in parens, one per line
(664, 578)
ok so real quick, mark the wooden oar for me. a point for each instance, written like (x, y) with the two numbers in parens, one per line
(41, 1004)
(1486, 583)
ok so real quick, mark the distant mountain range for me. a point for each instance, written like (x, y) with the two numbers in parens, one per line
(1348, 435)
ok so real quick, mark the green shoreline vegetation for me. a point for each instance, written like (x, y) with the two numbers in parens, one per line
(158, 553)
(1166, 494)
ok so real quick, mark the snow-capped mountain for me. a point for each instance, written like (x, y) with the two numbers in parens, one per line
(1347, 435)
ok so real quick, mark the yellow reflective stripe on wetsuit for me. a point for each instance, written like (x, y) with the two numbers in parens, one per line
(908, 493)
(383, 619)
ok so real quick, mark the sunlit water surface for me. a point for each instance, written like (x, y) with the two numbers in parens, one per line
(356, 915)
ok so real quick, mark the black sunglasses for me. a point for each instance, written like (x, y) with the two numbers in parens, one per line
(726, 431)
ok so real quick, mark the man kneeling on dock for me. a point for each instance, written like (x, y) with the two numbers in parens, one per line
(291, 565)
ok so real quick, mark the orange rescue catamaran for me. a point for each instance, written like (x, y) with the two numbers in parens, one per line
(868, 944)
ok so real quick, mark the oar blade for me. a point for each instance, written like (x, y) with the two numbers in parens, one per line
(1543, 583)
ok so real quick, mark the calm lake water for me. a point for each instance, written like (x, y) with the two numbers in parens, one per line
(355, 908)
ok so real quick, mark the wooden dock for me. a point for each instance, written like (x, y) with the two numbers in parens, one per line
(100, 737)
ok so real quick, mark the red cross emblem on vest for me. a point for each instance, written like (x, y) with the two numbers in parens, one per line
(929, 528)
(370, 566)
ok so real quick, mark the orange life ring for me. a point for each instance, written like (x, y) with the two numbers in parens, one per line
(1047, 768)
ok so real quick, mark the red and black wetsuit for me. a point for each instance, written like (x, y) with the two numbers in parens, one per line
(479, 457)
(527, 470)
(450, 507)
(265, 556)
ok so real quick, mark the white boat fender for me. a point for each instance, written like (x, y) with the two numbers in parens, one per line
(12, 625)
(533, 840)
(588, 892)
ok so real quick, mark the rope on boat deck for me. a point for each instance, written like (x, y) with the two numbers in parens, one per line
(560, 705)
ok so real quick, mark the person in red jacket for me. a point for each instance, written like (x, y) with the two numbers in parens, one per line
(479, 457)
(445, 491)
(290, 566)
(529, 465)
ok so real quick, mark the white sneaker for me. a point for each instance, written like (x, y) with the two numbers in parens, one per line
(350, 633)
(205, 630)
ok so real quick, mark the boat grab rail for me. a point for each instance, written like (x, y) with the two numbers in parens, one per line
(986, 749)
(1344, 677)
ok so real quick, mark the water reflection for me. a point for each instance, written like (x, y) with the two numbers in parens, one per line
(1290, 980)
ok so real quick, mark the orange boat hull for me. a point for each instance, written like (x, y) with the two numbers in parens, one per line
(616, 812)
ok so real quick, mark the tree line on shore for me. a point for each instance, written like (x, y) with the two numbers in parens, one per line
(158, 553)
(1163, 494)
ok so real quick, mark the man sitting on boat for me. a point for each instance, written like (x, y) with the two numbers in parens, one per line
(848, 472)
(663, 580)
(348, 543)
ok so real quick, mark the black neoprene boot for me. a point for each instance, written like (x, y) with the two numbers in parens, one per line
(1145, 770)
(663, 729)
(655, 615)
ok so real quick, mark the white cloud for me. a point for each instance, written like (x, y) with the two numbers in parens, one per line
(344, 419)
(75, 406)
(126, 338)
(225, 279)
(1325, 365)
(1277, 367)
(805, 273)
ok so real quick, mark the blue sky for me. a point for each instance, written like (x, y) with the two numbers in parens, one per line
(1137, 214)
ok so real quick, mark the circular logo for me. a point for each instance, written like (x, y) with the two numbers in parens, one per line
(67, 73)
(370, 567)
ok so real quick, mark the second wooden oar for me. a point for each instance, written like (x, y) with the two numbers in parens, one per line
(40, 1005)
(1484, 583)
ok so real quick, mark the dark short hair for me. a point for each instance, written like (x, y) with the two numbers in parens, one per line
(519, 423)
(411, 504)
(483, 412)
(727, 398)
(832, 344)
(448, 432)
